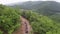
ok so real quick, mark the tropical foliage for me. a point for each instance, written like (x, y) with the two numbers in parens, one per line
(9, 19)
(43, 20)
(42, 24)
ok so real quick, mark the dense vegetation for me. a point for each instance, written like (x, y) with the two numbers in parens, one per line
(46, 8)
(41, 24)
(44, 17)
(47, 18)
(9, 19)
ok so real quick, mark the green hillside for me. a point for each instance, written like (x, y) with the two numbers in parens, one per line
(43, 7)
(41, 24)
(46, 8)
(44, 19)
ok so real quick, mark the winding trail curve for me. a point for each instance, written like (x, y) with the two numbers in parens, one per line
(25, 27)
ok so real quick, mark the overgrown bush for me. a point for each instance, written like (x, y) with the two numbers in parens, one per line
(41, 24)
(9, 19)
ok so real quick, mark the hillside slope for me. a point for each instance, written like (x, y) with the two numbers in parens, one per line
(41, 24)
(42, 7)
(10, 20)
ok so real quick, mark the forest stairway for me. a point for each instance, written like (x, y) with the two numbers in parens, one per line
(25, 27)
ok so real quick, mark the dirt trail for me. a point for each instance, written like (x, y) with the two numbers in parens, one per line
(25, 27)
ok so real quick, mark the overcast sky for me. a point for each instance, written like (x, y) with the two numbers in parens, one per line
(14, 1)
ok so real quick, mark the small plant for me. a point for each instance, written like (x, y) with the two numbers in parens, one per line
(1, 32)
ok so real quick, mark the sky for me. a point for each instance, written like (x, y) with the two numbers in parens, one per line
(14, 1)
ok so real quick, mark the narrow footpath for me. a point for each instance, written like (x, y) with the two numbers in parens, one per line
(25, 27)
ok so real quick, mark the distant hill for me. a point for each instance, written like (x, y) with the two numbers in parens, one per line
(43, 7)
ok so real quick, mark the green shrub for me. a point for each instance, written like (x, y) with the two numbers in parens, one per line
(41, 24)
(9, 19)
